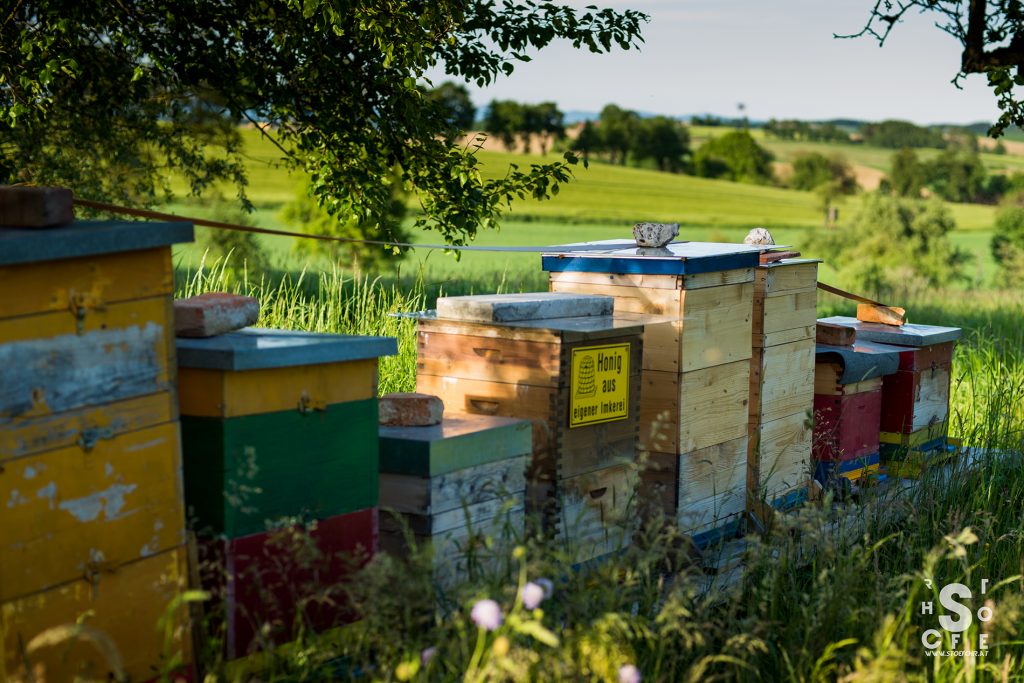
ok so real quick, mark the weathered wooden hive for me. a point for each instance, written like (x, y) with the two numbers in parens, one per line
(90, 461)
(848, 410)
(915, 398)
(696, 367)
(571, 368)
(454, 482)
(781, 384)
(280, 455)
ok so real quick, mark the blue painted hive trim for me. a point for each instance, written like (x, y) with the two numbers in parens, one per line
(87, 238)
(824, 471)
(718, 534)
(255, 348)
(684, 258)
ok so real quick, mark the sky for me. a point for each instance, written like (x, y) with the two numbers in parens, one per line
(777, 57)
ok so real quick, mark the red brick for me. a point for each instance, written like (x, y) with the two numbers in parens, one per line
(35, 207)
(213, 313)
(410, 410)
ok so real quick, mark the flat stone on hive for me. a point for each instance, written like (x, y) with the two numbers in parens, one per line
(410, 410)
(213, 313)
(502, 308)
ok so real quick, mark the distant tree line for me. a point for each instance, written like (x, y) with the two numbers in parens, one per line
(956, 174)
(516, 122)
(792, 129)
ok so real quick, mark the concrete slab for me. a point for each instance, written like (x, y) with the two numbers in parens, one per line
(502, 308)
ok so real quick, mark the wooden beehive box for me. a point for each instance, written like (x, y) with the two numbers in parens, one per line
(279, 429)
(90, 462)
(915, 398)
(781, 383)
(696, 367)
(445, 483)
(848, 409)
(577, 379)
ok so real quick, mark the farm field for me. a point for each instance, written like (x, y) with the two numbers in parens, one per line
(601, 203)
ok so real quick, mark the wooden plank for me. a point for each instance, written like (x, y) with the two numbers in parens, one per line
(782, 380)
(913, 400)
(125, 605)
(217, 393)
(27, 206)
(786, 277)
(450, 491)
(27, 435)
(54, 363)
(70, 512)
(927, 357)
(708, 513)
(693, 410)
(90, 283)
(501, 360)
(915, 439)
(846, 427)
(648, 281)
(426, 326)
(886, 315)
(594, 509)
(780, 455)
(786, 311)
(826, 381)
(242, 471)
(719, 470)
(659, 483)
(716, 326)
(789, 336)
(483, 397)
(628, 299)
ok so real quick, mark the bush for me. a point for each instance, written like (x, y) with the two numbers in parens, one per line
(734, 156)
(894, 246)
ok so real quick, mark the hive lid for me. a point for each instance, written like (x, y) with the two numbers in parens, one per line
(87, 238)
(255, 348)
(506, 308)
(906, 335)
(678, 258)
(863, 360)
(461, 441)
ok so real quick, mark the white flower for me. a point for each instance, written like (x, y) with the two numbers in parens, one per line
(533, 595)
(487, 614)
(629, 674)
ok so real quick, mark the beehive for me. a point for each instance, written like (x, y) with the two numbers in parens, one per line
(781, 383)
(576, 379)
(90, 462)
(848, 410)
(696, 367)
(279, 434)
(449, 482)
(915, 398)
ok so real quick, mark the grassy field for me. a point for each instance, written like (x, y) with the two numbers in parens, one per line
(602, 202)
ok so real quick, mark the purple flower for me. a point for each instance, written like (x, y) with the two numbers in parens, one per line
(533, 594)
(548, 587)
(427, 655)
(487, 614)
(629, 674)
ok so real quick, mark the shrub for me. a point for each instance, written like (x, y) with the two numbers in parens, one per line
(734, 156)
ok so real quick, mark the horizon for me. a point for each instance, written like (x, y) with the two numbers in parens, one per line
(794, 70)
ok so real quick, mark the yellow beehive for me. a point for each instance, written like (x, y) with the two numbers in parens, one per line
(90, 457)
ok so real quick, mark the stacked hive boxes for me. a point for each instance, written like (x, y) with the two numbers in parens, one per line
(915, 398)
(280, 451)
(453, 482)
(90, 460)
(571, 368)
(696, 367)
(848, 410)
(782, 383)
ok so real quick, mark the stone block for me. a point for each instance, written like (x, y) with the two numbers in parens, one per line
(35, 207)
(410, 410)
(213, 313)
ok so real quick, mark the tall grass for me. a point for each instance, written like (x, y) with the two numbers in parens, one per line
(833, 593)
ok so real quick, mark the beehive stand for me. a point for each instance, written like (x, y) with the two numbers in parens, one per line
(781, 384)
(848, 410)
(696, 367)
(90, 462)
(280, 447)
(576, 379)
(915, 398)
(454, 481)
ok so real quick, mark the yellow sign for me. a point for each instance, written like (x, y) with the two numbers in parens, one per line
(599, 384)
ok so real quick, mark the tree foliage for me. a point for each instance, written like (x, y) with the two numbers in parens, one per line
(455, 104)
(895, 245)
(991, 36)
(898, 134)
(1008, 241)
(907, 177)
(812, 169)
(734, 156)
(957, 176)
(107, 99)
(662, 140)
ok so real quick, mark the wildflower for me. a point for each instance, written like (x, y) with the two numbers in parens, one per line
(427, 655)
(629, 674)
(501, 646)
(487, 614)
(533, 594)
